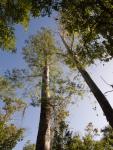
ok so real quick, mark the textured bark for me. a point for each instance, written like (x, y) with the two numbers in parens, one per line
(43, 138)
(102, 100)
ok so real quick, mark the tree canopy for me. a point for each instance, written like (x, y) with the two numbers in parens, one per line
(29, 146)
(92, 21)
(9, 133)
(87, 36)
(64, 139)
(19, 12)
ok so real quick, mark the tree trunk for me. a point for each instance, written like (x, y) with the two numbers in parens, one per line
(102, 100)
(43, 138)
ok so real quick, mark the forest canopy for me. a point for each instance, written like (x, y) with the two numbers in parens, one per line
(50, 71)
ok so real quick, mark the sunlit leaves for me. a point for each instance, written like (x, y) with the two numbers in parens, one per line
(7, 38)
(9, 133)
(66, 140)
(38, 47)
(11, 13)
(29, 146)
(9, 136)
(14, 12)
(93, 22)
(9, 104)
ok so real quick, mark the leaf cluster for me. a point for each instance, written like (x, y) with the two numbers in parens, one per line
(19, 12)
(92, 21)
(64, 139)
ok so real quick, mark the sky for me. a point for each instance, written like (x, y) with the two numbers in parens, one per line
(81, 113)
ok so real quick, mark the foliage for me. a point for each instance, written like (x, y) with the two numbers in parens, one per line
(9, 104)
(61, 87)
(65, 140)
(29, 146)
(61, 136)
(107, 137)
(39, 50)
(92, 22)
(19, 12)
(12, 12)
(38, 47)
(9, 133)
(40, 54)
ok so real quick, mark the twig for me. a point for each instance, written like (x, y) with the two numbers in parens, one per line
(108, 91)
(106, 82)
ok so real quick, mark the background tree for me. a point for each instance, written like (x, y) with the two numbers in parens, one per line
(66, 140)
(107, 138)
(61, 136)
(29, 146)
(9, 133)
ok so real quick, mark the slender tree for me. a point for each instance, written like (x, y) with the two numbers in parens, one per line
(40, 52)
(102, 100)
(93, 39)
(45, 83)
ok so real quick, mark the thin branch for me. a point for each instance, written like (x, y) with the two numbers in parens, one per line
(106, 82)
(108, 91)
(23, 77)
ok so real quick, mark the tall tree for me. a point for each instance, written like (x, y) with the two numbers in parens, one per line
(103, 102)
(92, 22)
(47, 84)
(38, 52)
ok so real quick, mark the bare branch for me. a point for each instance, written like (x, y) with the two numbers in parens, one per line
(106, 82)
(108, 91)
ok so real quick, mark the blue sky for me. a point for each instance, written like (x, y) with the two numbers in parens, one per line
(81, 113)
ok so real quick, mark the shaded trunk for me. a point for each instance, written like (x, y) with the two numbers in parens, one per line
(43, 138)
(102, 100)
